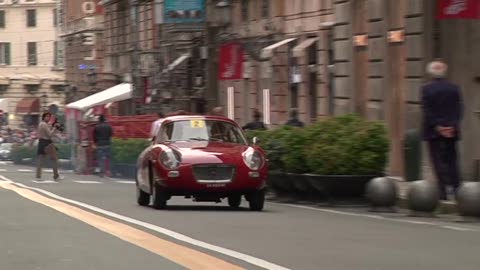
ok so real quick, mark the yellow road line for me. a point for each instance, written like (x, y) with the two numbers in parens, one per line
(181, 255)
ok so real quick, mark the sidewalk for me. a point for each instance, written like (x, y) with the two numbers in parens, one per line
(445, 207)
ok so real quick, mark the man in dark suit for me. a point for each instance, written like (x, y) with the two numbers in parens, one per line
(442, 114)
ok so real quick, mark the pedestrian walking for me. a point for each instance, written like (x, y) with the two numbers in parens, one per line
(46, 146)
(256, 124)
(442, 114)
(102, 137)
(293, 121)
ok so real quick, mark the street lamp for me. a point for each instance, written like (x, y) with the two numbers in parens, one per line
(223, 7)
(92, 78)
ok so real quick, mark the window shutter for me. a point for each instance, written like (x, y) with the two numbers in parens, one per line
(2, 18)
(7, 53)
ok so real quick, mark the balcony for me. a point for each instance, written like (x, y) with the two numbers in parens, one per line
(92, 23)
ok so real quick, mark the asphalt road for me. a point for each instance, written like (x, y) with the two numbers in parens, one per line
(86, 222)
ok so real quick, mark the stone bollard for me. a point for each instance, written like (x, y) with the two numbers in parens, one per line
(468, 199)
(382, 192)
(423, 197)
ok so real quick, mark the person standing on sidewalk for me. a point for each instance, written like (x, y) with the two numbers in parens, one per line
(102, 137)
(293, 121)
(46, 146)
(442, 114)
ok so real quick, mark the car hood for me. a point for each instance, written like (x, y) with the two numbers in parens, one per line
(209, 152)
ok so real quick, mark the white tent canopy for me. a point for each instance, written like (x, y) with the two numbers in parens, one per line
(4, 104)
(118, 92)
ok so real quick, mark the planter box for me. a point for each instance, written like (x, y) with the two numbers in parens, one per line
(340, 185)
(279, 182)
(124, 170)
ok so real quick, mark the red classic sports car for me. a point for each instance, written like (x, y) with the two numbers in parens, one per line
(206, 158)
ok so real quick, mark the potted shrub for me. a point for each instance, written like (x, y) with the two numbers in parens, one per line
(345, 154)
(296, 143)
(124, 156)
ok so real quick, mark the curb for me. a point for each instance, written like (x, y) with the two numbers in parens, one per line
(444, 207)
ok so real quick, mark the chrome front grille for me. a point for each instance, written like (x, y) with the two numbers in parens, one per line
(213, 173)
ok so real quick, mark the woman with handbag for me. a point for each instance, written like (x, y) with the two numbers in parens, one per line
(46, 146)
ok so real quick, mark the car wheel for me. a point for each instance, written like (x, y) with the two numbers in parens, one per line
(234, 201)
(257, 200)
(159, 198)
(143, 198)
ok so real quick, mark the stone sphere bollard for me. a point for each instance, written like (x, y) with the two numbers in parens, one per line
(468, 199)
(382, 192)
(423, 196)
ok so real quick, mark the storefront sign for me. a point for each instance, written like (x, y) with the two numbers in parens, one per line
(184, 11)
(458, 9)
(231, 62)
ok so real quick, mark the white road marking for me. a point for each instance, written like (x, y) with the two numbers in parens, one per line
(181, 237)
(48, 170)
(87, 182)
(3, 170)
(125, 182)
(458, 228)
(44, 181)
(376, 217)
(24, 170)
(6, 162)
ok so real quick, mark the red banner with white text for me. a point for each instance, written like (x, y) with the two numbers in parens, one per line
(231, 62)
(458, 9)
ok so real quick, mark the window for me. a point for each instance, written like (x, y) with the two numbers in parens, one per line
(245, 7)
(32, 87)
(55, 53)
(2, 18)
(32, 53)
(55, 21)
(31, 18)
(265, 8)
(4, 53)
(58, 88)
(3, 88)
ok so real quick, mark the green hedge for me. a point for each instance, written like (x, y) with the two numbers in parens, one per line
(126, 151)
(345, 145)
(123, 151)
(21, 152)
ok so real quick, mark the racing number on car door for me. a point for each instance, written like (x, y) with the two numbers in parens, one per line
(197, 123)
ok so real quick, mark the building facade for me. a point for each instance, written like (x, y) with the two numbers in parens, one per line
(31, 77)
(334, 57)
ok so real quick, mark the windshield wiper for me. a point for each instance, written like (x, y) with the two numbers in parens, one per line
(198, 139)
(205, 140)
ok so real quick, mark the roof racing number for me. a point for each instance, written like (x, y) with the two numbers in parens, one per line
(197, 123)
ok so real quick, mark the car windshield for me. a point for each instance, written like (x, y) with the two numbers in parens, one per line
(6, 146)
(201, 130)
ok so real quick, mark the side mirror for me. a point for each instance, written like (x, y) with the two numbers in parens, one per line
(256, 140)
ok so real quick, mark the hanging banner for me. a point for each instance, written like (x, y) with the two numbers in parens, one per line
(231, 62)
(458, 9)
(184, 11)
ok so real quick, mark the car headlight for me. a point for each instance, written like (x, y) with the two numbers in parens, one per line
(253, 159)
(170, 159)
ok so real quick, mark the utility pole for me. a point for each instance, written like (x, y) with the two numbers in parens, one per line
(135, 61)
(360, 56)
(395, 101)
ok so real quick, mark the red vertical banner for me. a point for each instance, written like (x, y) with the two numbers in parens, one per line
(231, 61)
(458, 9)
(147, 91)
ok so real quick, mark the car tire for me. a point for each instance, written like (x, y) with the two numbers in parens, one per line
(159, 198)
(143, 198)
(257, 200)
(234, 201)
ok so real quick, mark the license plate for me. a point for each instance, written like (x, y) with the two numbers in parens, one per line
(216, 185)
